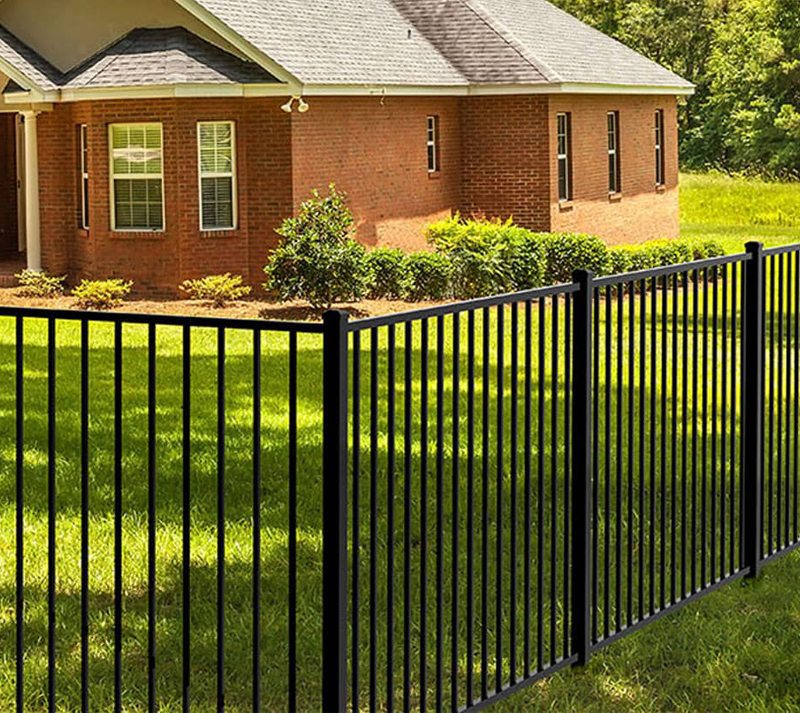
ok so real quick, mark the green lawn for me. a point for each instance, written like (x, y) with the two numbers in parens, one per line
(737, 647)
(736, 210)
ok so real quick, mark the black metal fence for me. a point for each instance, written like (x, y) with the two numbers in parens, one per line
(419, 511)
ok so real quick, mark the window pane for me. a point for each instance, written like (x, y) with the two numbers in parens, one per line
(217, 203)
(612, 173)
(563, 193)
(138, 204)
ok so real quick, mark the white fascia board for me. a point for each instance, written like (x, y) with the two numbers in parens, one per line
(170, 91)
(31, 90)
(18, 108)
(310, 90)
(245, 47)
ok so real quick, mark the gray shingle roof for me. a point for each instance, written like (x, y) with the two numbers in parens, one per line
(144, 57)
(452, 42)
(29, 63)
(153, 57)
(365, 42)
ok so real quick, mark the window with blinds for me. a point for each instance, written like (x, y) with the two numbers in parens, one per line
(137, 176)
(217, 165)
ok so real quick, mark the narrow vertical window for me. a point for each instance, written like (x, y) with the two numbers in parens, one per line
(137, 177)
(83, 149)
(433, 144)
(216, 144)
(659, 138)
(614, 178)
(564, 150)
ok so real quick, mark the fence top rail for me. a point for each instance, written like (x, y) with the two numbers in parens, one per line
(461, 307)
(611, 280)
(782, 249)
(172, 320)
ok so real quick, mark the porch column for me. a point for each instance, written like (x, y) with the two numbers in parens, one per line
(32, 227)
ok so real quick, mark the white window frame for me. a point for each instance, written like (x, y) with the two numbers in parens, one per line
(137, 176)
(659, 147)
(214, 174)
(432, 142)
(612, 120)
(565, 157)
(83, 131)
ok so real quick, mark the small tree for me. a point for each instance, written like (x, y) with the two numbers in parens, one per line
(318, 260)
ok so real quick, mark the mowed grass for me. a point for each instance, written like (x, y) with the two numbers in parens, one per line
(736, 648)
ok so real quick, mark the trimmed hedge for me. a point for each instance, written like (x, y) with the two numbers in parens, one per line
(388, 274)
(567, 252)
(320, 262)
(430, 276)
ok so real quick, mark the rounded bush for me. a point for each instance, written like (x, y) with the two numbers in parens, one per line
(318, 260)
(430, 276)
(101, 294)
(388, 274)
(40, 284)
(525, 259)
(620, 260)
(219, 290)
(567, 252)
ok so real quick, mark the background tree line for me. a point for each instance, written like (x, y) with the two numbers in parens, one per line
(744, 58)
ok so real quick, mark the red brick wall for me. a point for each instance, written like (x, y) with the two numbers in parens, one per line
(158, 262)
(375, 149)
(642, 212)
(506, 168)
(497, 157)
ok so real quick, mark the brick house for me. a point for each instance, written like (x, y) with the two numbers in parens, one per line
(166, 139)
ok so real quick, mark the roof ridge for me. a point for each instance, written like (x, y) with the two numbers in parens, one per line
(496, 26)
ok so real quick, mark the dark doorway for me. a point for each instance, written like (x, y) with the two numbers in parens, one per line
(9, 226)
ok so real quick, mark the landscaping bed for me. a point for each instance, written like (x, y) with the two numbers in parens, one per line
(242, 309)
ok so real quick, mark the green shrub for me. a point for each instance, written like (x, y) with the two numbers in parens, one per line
(567, 252)
(706, 248)
(669, 252)
(430, 276)
(318, 260)
(620, 260)
(388, 274)
(101, 294)
(476, 251)
(489, 256)
(445, 232)
(40, 284)
(219, 290)
(525, 258)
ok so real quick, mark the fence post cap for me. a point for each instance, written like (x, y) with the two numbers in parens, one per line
(753, 246)
(335, 315)
(581, 275)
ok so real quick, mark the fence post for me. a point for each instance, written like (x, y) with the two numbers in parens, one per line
(334, 512)
(753, 417)
(582, 465)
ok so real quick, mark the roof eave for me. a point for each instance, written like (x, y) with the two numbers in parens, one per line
(494, 89)
(164, 91)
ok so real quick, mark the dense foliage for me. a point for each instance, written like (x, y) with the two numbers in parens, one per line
(101, 294)
(39, 284)
(388, 275)
(744, 58)
(218, 290)
(318, 259)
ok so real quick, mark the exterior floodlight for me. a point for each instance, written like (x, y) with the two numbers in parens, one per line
(287, 107)
(302, 107)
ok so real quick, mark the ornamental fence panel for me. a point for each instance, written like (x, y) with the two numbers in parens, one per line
(427, 510)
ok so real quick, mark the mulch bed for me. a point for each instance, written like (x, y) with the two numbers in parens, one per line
(244, 309)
